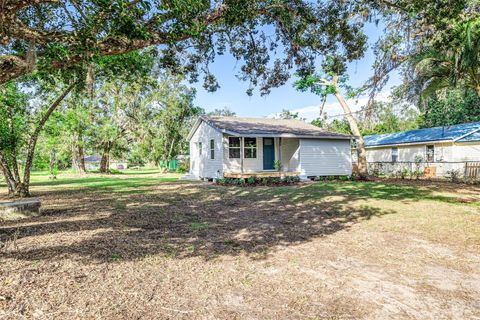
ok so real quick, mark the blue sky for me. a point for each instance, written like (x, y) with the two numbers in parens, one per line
(232, 91)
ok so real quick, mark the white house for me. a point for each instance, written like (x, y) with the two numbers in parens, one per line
(240, 147)
(444, 148)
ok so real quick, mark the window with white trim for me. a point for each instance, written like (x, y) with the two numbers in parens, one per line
(250, 148)
(394, 154)
(212, 149)
(430, 153)
(199, 148)
(234, 147)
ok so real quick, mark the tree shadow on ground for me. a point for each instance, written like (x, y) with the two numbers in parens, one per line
(180, 220)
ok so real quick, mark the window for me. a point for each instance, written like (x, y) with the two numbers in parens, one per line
(199, 148)
(430, 153)
(233, 147)
(394, 154)
(212, 149)
(250, 148)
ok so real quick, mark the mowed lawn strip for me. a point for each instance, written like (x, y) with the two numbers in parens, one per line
(143, 244)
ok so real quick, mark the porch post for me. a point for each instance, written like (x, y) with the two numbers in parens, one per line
(241, 153)
(280, 151)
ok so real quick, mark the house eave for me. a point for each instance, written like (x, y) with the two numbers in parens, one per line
(408, 144)
(283, 135)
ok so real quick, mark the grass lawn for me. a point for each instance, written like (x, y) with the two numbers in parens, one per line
(142, 245)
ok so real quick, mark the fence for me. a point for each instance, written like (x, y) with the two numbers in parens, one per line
(472, 170)
(467, 170)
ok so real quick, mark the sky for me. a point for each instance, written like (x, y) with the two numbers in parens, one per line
(232, 92)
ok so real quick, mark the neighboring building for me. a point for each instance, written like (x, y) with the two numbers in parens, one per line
(229, 146)
(93, 163)
(456, 143)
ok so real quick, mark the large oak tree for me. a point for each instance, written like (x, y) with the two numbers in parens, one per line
(50, 34)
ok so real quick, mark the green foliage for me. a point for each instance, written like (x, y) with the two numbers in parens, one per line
(253, 181)
(224, 112)
(269, 38)
(277, 165)
(449, 107)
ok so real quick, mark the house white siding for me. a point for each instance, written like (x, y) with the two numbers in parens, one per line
(290, 154)
(201, 164)
(444, 152)
(321, 157)
(466, 151)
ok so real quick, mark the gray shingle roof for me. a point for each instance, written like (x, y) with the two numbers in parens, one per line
(270, 127)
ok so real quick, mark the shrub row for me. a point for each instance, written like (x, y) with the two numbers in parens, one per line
(252, 181)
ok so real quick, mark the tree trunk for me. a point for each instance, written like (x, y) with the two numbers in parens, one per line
(81, 158)
(23, 190)
(104, 162)
(361, 152)
(52, 164)
(75, 162)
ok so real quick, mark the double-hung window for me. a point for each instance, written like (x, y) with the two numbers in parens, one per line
(199, 148)
(233, 147)
(394, 154)
(212, 149)
(250, 148)
(430, 153)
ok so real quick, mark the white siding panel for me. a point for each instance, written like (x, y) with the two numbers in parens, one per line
(466, 151)
(201, 164)
(443, 152)
(290, 153)
(325, 157)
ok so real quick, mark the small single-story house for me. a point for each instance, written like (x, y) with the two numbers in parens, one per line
(93, 163)
(239, 147)
(455, 143)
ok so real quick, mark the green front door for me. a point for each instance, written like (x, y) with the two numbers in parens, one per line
(268, 153)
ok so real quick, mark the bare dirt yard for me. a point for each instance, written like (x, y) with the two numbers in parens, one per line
(145, 246)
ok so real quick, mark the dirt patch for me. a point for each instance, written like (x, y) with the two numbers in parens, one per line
(200, 251)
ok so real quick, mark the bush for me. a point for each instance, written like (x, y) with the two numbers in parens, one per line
(252, 181)
(453, 175)
(183, 167)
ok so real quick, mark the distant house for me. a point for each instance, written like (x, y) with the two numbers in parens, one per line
(456, 143)
(240, 147)
(93, 163)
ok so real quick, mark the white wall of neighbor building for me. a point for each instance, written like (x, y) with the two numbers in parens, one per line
(466, 151)
(201, 164)
(444, 152)
(322, 157)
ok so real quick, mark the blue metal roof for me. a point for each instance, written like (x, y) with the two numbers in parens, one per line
(425, 135)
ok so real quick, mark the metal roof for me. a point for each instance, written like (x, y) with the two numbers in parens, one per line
(269, 127)
(459, 132)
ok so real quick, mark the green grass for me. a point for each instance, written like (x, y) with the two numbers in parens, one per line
(128, 181)
(355, 190)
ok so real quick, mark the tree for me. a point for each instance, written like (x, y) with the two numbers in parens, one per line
(330, 82)
(224, 112)
(287, 114)
(18, 135)
(449, 107)
(46, 35)
(164, 119)
(434, 44)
